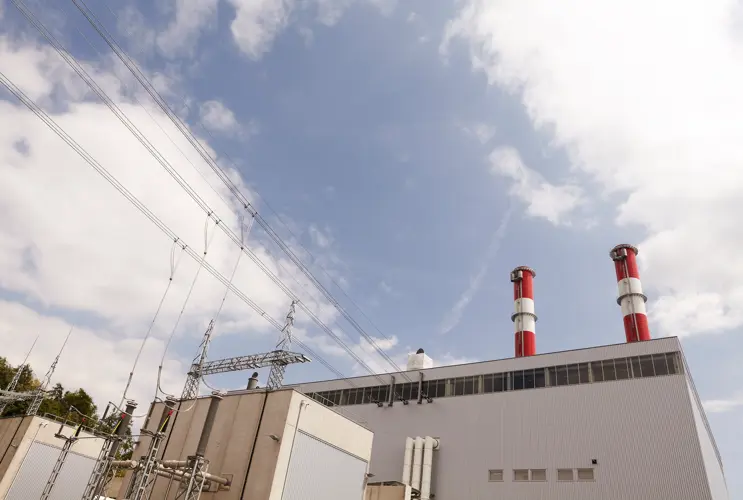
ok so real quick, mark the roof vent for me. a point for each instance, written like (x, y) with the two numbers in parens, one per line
(419, 361)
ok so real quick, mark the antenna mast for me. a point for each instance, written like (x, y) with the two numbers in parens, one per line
(41, 391)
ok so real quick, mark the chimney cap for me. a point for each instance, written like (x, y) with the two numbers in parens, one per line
(420, 351)
(623, 246)
(255, 375)
(526, 269)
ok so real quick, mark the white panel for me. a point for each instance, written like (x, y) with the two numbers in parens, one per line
(318, 471)
(641, 432)
(712, 464)
(38, 465)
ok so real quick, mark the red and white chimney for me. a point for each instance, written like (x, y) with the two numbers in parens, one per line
(630, 296)
(523, 317)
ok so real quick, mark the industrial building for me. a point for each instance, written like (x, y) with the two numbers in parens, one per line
(30, 446)
(269, 445)
(614, 422)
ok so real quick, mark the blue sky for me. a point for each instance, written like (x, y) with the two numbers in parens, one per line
(393, 140)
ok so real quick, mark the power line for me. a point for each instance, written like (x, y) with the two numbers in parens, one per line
(52, 125)
(224, 177)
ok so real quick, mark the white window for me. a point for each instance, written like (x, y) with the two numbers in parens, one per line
(495, 475)
(585, 474)
(564, 474)
(521, 474)
(538, 474)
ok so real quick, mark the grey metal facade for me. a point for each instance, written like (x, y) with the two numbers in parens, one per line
(38, 465)
(642, 437)
(319, 471)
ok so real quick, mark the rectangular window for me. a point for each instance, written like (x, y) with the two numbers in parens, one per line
(610, 372)
(499, 382)
(564, 474)
(521, 474)
(583, 373)
(495, 475)
(539, 379)
(573, 374)
(585, 474)
(673, 367)
(459, 386)
(597, 372)
(528, 379)
(539, 474)
(470, 386)
(646, 366)
(518, 380)
(660, 365)
(487, 383)
(622, 369)
(561, 375)
(635, 364)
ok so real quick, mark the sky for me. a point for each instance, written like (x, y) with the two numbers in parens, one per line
(411, 153)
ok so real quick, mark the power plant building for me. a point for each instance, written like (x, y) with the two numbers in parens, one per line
(613, 422)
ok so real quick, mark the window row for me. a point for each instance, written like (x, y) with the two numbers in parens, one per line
(540, 475)
(553, 376)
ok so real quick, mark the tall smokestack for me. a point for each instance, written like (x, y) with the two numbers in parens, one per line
(524, 319)
(630, 296)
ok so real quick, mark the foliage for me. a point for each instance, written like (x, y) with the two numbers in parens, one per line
(72, 406)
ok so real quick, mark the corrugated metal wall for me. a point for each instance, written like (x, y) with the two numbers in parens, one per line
(640, 431)
(318, 471)
(38, 465)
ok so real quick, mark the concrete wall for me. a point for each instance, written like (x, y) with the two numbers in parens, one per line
(235, 432)
(387, 492)
(641, 432)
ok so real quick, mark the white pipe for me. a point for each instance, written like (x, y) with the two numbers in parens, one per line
(417, 461)
(430, 445)
(407, 461)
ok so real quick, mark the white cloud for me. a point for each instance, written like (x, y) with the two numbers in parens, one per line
(454, 316)
(217, 117)
(321, 238)
(113, 354)
(723, 405)
(257, 23)
(191, 18)
(69, 243)
(645, 98)
(543, 199)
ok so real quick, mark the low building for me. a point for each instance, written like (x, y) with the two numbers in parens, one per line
(277, 445)
(29, 449)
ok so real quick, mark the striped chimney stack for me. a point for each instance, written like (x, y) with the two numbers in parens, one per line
(630, 296)
(524, 319)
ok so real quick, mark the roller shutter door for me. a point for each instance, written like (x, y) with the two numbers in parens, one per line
(319, 471)
(35, 471)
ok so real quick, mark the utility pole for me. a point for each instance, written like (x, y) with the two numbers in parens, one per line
(191, 389)
(17, 377)
(143, 480)
(100, 477)
(41, 391)
(278, 368)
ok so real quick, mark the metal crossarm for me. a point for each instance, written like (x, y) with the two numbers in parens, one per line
(253, 361)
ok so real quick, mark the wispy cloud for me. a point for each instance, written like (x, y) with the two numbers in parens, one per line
(723, 405)
(454, 316)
